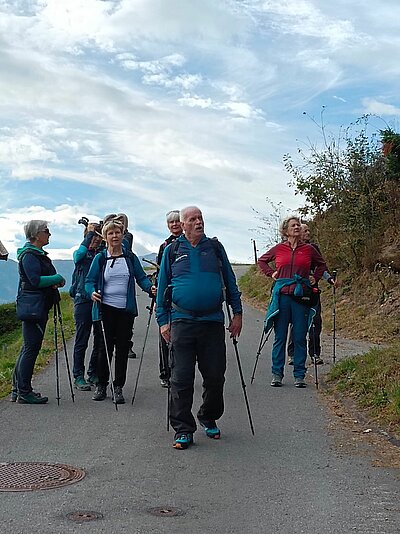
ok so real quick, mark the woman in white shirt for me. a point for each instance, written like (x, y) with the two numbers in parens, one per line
(111, 283)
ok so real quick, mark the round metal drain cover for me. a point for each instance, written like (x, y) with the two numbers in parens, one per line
(29, 476)
(83, 517)
(165, 511)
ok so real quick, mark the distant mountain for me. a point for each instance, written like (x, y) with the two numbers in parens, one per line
(9, 275)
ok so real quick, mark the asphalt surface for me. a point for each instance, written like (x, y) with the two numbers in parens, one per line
(291, 477)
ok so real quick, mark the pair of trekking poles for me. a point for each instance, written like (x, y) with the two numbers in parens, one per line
(264, 339)
(57, 318)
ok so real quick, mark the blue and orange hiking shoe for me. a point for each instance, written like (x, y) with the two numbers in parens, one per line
(183, 440)
(211, 429)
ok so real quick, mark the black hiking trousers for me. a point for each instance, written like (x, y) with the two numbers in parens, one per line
(202, 342)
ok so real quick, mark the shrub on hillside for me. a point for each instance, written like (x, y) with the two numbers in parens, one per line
(8, 318)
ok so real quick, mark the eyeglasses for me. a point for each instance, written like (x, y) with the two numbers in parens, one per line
(46, 231)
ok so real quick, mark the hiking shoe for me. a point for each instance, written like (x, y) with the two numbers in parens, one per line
(100, 392)
(14, 395)
(93, 380)
(164, 383)
(182, 441)
(276, 381)
(290, 361)
(118, 398)
(317, 360)
(299, 383)
(211, 429)
(31, 398)
(132, 354)
(81, 384)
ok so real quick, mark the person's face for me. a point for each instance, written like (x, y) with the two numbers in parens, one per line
(305, 233)
(43, 237)
(114, 237)
(193, 225)
(294, 228)
(95, 242)
(175, 227)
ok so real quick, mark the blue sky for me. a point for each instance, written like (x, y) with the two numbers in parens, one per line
(142, 106)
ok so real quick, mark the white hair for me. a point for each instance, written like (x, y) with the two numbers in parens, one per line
(32, 228)
(172, 215)
(185, 210)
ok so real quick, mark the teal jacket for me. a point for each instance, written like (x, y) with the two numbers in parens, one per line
(273, 308)
(95, 281)
(194, 278)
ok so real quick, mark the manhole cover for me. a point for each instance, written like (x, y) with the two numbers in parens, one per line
(29, 476)
(82, 517)
(166, 511)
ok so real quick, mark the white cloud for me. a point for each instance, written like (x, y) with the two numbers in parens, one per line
(140, 104)
(380, 108)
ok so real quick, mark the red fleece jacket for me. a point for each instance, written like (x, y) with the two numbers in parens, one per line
(303, 260)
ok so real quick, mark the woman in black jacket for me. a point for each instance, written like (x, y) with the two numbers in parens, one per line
(38, 280)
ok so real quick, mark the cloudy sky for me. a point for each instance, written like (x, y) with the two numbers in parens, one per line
(142, 106)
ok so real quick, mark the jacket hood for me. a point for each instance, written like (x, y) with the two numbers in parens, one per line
(29, 246)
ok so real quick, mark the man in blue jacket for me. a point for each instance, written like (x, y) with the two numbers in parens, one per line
(193, 272)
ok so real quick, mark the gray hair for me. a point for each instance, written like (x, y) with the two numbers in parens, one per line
(109, 217)
(285, 225)
(32, 228)
(185, 210)
(124, 219)
(172, 215)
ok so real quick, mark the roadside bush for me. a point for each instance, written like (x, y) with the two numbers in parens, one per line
(8, 319)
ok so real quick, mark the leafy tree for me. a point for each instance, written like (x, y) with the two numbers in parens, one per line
(351, 187)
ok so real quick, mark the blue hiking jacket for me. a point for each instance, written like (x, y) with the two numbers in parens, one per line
(95, 281)
(195, 281)
(83, 257)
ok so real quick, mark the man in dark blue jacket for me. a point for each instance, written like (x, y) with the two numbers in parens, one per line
(193, 271)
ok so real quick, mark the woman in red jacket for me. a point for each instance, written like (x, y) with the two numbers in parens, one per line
(293, 263)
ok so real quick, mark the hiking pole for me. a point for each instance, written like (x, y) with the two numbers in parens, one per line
(235, 343)
(166, 366)
(151, 309)
(56, 355)
(334, 275)
(152, 263)
(65, 350)
(314, 357)
(111, 377)
(260, 348)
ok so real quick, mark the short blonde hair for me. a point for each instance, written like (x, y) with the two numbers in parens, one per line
(111, 225)
(285, 224)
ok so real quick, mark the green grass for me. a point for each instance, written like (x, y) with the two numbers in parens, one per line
(11, 342)
(373, 381)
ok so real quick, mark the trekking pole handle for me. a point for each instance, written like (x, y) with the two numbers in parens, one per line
(334, 275)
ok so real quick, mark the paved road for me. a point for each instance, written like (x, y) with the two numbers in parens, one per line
(290, 478)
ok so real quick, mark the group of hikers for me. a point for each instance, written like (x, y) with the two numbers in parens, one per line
(193, 279)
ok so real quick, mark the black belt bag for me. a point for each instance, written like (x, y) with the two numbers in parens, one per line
(31, 305)
(310, 296)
